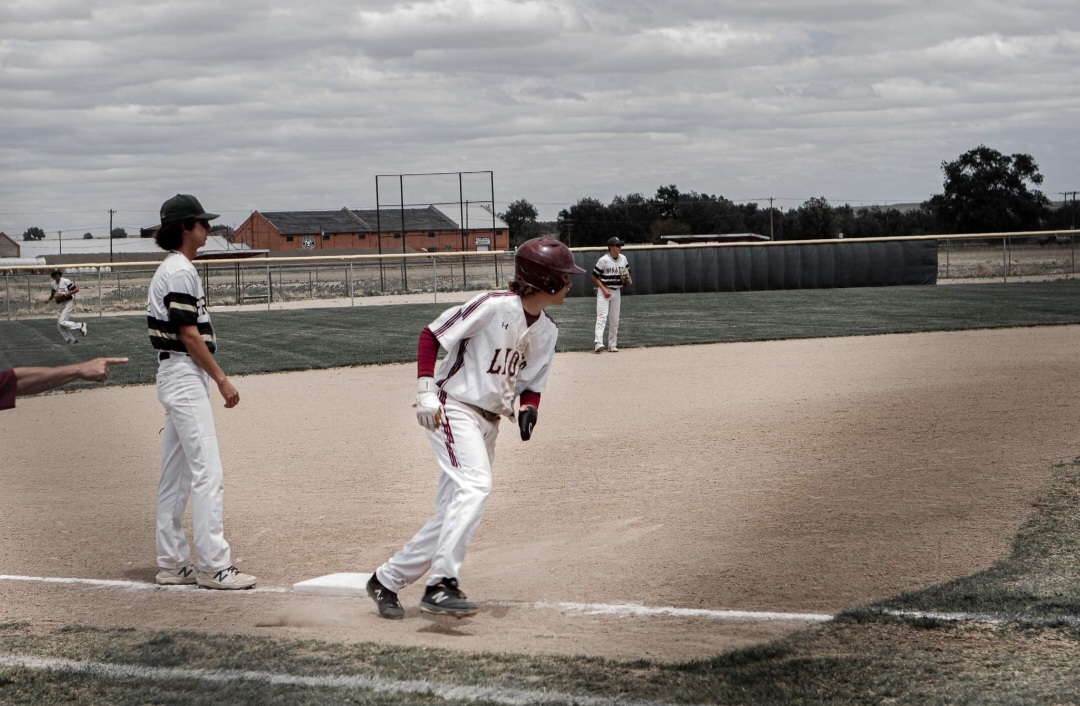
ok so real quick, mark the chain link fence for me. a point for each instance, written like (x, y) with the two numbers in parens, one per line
(120, 288)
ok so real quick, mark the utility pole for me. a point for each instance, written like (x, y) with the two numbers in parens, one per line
(770, 220)
(111, 212)
(1072, 211)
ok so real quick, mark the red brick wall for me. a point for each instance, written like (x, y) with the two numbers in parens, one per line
(260, 234)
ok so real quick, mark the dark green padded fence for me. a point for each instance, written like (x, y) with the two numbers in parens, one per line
(847, 263)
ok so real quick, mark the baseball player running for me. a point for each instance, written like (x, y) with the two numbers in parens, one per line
(611, 274)
(499, 350)
(184, 340)
(63, 293)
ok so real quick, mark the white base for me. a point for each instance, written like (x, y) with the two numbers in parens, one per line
(334, 585)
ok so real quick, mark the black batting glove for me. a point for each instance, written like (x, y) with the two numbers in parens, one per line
(526, 422)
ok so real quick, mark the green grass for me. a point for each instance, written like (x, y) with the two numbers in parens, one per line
(300, 339)
(863, 657)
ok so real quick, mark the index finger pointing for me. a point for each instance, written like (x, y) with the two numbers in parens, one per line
(114, 361)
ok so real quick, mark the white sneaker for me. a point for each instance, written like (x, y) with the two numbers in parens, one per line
(599, 348)
(613, 349)
(83, 328)
(183, 576)
(226, 579)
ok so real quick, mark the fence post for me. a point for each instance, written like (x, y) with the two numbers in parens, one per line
(7, 295)
(349, 278)
(1005, 256)
(1072, 244)
(435, 279)
(100, 299)
(29, 303)
(269, 286)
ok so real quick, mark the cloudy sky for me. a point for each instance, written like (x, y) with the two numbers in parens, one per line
(275, 105)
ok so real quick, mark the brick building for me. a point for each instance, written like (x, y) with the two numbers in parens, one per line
(388, 230)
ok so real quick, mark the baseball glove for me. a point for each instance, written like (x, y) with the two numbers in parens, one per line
(624, 275)
(61, 298)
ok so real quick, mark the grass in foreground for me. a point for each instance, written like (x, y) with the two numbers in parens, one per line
(302, 339)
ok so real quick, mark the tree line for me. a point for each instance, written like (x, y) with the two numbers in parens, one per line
(983, 191)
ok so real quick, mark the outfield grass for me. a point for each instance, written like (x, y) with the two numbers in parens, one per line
(301, 339)
(1025, 654)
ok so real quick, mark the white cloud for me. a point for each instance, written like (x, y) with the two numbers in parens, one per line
(118, 104)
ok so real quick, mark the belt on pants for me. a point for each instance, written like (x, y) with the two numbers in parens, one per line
(165, 355)
(490, 416)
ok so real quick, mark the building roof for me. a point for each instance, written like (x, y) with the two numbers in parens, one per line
(313, 222)
(714, 238)
(389, 218)
(72, 249)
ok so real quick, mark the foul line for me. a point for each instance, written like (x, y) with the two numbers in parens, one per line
(618, 610)
(623, 610)
(448, 692)
(137, 585)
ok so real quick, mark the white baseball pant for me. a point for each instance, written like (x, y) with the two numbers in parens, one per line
(465, 448)
(607, 314)
(63, 315)
(190, 465)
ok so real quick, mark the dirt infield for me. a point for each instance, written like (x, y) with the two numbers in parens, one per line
(797, 476)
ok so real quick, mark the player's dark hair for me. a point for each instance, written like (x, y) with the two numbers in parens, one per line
(171, 235)
(521, 289)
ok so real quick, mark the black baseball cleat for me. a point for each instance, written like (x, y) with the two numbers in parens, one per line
(385, 599)
(446, 598)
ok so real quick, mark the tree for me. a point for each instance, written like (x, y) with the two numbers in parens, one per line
(33, 233)
(988, 192)
(119, 233)
(521, 217)
(817, 219)
(88, 236)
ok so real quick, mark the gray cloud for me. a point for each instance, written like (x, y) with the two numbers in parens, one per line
(274, 105)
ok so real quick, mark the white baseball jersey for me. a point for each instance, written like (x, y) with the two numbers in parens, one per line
(493, 354)
(62, 287)
(177, 298)
(607, 270)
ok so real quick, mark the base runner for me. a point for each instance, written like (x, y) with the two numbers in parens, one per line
(500, 347)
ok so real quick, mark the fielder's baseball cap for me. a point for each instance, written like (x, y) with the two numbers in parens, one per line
(184, 206)
(615, 240)
(56, 272)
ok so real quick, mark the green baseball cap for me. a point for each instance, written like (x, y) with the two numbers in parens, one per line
(183, 206)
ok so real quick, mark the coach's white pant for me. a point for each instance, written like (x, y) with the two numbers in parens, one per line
(63, 313)
(190, 465)
(607, 314)
(465, 448)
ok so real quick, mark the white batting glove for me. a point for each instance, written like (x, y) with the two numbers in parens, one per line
(428, 410)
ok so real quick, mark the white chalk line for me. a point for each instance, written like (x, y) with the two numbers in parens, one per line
(131, 585)
(448, 692)
(635, 610)
(618, 610)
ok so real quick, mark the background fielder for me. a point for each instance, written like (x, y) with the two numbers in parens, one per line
(611, 274)
(499, 347)
(63, 293)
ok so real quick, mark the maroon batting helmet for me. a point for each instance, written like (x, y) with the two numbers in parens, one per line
(541, 263)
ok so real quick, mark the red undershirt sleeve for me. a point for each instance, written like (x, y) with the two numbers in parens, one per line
(427, 351)
(530, 399)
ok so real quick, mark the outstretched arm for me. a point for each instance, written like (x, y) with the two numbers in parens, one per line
(30, 381)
